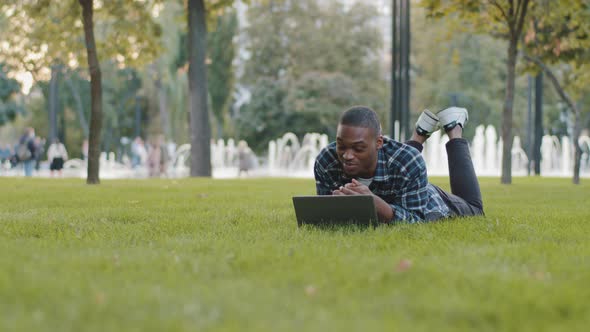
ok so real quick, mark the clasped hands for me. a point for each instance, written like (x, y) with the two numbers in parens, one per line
(353, 188)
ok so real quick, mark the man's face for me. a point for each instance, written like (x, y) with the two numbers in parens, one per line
(357, 150)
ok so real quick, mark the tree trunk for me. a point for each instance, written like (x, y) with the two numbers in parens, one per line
(507, 114)
(577, 148)
(538, 132)
(577, 122)
(95, 93)
(199, 115)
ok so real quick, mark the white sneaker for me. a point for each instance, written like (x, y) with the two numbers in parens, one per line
(453, 116)
(427, 123)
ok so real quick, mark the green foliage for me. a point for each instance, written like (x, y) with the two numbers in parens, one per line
(559, 36)
(316, 54)
(41, 33)
(487, 16)
(264, 118)
(226, 255)
(321, 98)
(220, 75)
(9, 88)
(457, 67)
(312, 104)
(172, 66)
(120, 89)
(292, 38)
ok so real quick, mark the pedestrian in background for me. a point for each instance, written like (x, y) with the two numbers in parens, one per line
(57, 155)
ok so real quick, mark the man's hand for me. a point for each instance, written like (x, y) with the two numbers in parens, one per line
(353, 188)
(384, 211)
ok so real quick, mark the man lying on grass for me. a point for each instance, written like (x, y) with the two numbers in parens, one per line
(363, 162)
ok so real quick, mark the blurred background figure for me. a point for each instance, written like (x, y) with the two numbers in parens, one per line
(138, 152)
(57, 155)
(244, 158)
(26, 151)
(39, 151)
(157, 157)
(5, 154)
(85, 150)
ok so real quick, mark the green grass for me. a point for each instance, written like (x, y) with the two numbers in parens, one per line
(199, 255)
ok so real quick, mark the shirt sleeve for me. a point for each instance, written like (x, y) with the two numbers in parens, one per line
(321, 179)
(411, 202)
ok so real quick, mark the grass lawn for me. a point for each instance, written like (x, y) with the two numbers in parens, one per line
(199, 255)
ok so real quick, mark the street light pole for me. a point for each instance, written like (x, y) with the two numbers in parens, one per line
(400, 69)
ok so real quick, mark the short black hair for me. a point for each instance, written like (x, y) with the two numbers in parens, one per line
(361, 116)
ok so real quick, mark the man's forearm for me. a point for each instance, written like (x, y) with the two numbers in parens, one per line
(384, 210)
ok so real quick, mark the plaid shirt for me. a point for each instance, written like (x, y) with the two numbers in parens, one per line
(400, 180)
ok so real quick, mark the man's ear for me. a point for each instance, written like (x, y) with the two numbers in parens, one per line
(379, 142)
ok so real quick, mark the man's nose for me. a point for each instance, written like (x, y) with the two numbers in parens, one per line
(347, 155)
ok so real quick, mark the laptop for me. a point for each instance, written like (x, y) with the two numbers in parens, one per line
(335, 210)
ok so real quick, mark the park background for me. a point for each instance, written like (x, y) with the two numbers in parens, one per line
(274, 67)
(186, 254)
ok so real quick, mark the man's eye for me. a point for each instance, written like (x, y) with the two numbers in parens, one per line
(359, 150)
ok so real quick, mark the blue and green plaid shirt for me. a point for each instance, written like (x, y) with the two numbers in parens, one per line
(400, 179)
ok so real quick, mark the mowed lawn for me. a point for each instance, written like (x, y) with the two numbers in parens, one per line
(201, 255)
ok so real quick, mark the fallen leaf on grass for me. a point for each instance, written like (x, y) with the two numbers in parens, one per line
(403, 265)
(310, 290)
(99, 298)
(540, 275)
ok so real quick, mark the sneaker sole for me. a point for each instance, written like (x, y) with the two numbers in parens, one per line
(429, 116)
(454, 123)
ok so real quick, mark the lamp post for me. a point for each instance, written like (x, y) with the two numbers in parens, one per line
(400, 69)
(538, 122)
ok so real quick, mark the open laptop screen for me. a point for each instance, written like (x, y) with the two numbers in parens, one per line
(335, 210)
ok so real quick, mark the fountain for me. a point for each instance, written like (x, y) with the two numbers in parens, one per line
(294, 159)
(486, 152)
(288, 157)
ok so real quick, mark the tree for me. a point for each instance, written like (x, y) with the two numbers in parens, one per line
(221, 69)
(311, 104)
(264, 118)
(197, 15)
(449, 68)
(197, 73)
(322, 57)
(126, 33)
(504, 19)
(9, 89)
(321, 98)
(95, 92)
(120, 88)
(558, 37)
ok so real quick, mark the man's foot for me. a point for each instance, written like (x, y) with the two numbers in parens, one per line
(427, 123)
(451, 117)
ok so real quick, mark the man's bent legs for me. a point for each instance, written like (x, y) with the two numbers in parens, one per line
(465, 199)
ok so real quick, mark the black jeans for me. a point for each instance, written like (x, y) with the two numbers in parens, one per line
(465, 198)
